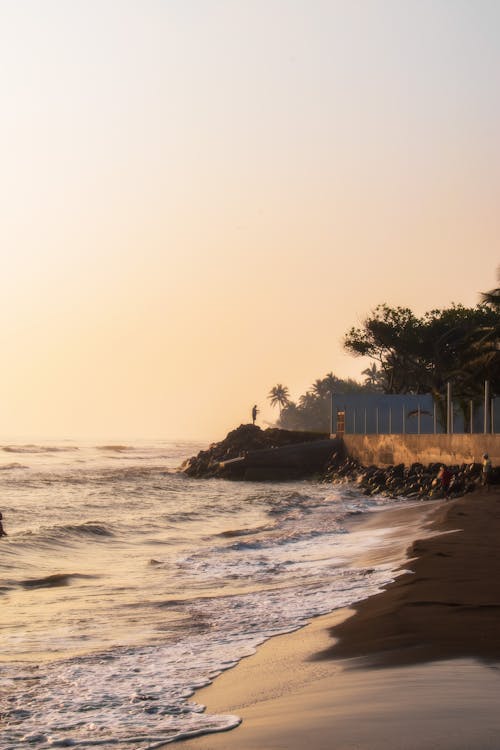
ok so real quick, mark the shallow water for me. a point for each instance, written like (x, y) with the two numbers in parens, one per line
(125, 586)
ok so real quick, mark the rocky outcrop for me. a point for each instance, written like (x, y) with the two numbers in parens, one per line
(238, 443)
(249, 452)
(415, 481)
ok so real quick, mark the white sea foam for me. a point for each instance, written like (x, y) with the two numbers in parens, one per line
(115, 653)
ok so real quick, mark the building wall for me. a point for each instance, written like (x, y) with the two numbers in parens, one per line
(387, 450)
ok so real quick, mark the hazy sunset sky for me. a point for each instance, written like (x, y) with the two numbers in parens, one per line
(199, 198)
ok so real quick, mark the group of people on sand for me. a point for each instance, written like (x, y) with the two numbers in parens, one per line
(445, 476)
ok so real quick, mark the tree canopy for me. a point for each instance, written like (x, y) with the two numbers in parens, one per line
(279, 396)
(420, 355)
(410, 354)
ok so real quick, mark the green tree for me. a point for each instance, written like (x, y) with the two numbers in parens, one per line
(391, 337)
(420, 355)
(279, 396)
(324, 386)
(492, 298)
(374, 378)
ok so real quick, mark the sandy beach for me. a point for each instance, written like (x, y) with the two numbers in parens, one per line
(413, 667)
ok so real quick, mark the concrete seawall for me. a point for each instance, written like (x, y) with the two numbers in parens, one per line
(387, 450)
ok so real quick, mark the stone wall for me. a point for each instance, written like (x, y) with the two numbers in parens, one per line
(387, 450)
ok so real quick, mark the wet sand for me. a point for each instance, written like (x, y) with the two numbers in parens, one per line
(416, 666)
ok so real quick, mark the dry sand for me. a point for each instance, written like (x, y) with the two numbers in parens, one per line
(416, 666)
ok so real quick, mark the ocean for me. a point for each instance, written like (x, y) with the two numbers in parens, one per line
(125, 585)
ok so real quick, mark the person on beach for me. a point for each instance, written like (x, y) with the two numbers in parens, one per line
(486, 471)
(255, 411)
(2, 530)
(444, 476)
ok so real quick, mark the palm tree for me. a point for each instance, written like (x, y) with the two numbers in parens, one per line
(279, 395)
(373, 376)
(492, 298)
(319, 388)
(483, 351)
(324, 386)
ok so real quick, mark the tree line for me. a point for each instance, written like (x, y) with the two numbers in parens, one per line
(409, 354)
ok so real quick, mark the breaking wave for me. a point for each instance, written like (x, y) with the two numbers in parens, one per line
(115, 448)
(39, 448)
(56, 579)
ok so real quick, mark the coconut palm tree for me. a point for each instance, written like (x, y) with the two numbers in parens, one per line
(492, 298)
(373, 376)
(279, 395)
(324, 386)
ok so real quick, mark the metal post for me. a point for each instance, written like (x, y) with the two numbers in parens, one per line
(333, 427)
(404, 420)
(418, 419)
(448, 408)
(486, 406)
(390, 420)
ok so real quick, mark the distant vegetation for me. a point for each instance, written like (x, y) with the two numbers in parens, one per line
(312, 411)
(410, 355)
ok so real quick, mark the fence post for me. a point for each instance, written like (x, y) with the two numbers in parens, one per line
(449, 412)
(486, 406)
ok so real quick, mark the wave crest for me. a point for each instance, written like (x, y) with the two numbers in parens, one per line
(50, 581)
(31, 448)
(89, 528)
(114, 448)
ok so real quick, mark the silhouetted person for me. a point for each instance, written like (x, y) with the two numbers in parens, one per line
(486, 471)
(2, 530)
(255, 411)
(444, 475)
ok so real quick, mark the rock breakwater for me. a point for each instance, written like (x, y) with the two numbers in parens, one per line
(238, 442)
(415, 481)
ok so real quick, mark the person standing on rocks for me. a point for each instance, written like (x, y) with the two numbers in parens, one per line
(255, 411)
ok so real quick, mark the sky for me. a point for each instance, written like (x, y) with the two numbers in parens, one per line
(199, 198)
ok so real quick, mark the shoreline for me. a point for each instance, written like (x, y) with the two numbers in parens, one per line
(447, 605)
(413, 666)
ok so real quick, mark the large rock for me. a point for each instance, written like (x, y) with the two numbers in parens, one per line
(244, 439)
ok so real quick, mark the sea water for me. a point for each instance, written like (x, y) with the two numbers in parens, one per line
(126, 585)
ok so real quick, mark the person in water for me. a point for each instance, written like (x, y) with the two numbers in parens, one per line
(2, 530)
